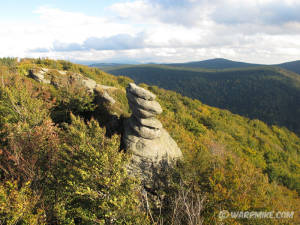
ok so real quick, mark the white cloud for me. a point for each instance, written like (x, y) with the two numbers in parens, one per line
(260, 31)
(53, 26)
(248, 30)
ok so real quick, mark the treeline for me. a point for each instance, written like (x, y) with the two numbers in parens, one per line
(265, 93)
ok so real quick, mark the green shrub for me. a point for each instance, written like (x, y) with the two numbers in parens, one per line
(19, 205)
(92, 185)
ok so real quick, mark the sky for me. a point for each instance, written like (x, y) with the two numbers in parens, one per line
(164, 31)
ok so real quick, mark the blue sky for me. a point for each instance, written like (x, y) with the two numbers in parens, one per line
(16, 9)
(258, 31)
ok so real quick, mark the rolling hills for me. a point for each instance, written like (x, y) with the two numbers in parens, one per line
(211, 64)
(292, 66)
(218, 63)
(268, 93)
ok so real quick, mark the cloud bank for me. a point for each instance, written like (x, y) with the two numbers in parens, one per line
(115, 42)
(258, 31)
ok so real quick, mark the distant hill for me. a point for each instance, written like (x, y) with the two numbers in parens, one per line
(292, 66)
(268, 93)
(107, 66)
(217, 63)
(220, 63)
(210, 64)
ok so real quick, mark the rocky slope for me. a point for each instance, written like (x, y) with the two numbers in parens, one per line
(144, 135)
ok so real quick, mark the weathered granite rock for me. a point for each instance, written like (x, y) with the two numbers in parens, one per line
(67, 78)
(108, 98)
(141, 113)
(102, 95)
(144, 131)
(39, 75)
(155, 150)
(89, 84)
(145, 137)
(151, 106)
(105, 87)
(140, 92)
(149, 122)
(150, 157)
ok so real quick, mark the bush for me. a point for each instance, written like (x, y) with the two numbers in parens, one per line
(92, 185)
(74, 100)
(19, 205)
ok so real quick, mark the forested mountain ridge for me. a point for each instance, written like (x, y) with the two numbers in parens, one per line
(210, 64)
(292, 66)
(268, 93)
(214, 64)
(59, 165)
(220, 63)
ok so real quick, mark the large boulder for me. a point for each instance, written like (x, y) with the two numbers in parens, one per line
(153, 150)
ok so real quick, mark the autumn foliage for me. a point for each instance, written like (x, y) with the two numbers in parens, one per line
(59, 166)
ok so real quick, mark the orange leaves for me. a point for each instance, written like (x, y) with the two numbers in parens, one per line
(30, 151)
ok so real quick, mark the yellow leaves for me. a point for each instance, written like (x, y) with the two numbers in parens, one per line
(96, 178)
(249, 151)
(19, 205)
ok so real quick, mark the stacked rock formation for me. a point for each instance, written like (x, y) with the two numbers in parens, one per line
(144, 135)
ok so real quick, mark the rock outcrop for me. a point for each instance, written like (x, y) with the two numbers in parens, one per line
(144, 135)
(102, 95)
(39, 75)
(60, 79)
